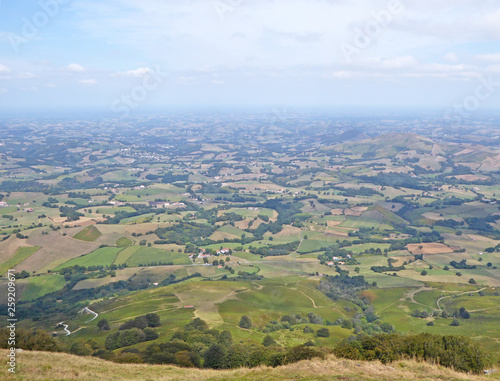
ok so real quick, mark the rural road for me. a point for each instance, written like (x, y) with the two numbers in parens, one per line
(462, 293)
(91, 312)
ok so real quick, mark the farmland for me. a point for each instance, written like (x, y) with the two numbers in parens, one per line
(315, 239)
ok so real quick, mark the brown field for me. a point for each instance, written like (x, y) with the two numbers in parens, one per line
(428, 248)
(337, 212)
(289, 231)
(334, 223)
(55, 249)
(354, 211)
(9, 247)
(83, 221)
(141, 229)
(39, 366)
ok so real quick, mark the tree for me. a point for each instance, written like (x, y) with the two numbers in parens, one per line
(472, 281)
(269, 341)
(225, 338)
(386, 327)
(455, 323)
(323, 332)
(153, 320)
(245, 322)
(150, 333)
(423, 272)
(80, 348)
(103, 325)
(140, 322)
(214, 357)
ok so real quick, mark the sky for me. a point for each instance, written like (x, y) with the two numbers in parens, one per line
(127, 56)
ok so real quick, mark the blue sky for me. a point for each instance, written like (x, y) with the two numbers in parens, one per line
(112, 55)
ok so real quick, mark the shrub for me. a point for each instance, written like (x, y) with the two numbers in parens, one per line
(323, 332)
(269, 341)
(245, 322)
(450, 351)
(103, 325)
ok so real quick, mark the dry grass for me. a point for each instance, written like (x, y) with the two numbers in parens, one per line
(61, 366)
(428, 248)
(55, 250)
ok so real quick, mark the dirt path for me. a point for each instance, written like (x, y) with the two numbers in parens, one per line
(65, 328)
(462, 293)
(91, 312)
(307, 296)
(410, 294)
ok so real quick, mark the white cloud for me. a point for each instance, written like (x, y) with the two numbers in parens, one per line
(4, 69)
(75, 68)
(489, 58)
(89, 82)
(139, 72)
(3, 91)
(451, 57)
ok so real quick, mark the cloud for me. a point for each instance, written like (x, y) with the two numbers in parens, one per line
(139, 72)
(88, 82)
(4, 69)
(3, 91)
(451, 57)
(75, 68)
(489, 58)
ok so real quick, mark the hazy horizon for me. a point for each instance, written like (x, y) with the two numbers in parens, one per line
(124, 57)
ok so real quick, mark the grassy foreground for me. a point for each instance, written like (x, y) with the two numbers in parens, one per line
(61, 366)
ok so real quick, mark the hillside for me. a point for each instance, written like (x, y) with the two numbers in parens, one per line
(59, 366)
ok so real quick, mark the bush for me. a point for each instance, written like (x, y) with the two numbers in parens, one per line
(103, 325)
(450, 351)
(323, 332)
(245, 322)
(269, 341)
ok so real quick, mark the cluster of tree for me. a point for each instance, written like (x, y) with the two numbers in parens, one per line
(455, 352)
(462, 265)
(129, 337)
(272, 250)
(199, 346)
(482, 224)
(30, 339)
(369, 323)
(381, 269)
(449, 223)
(344, 287)
(287, 321)
(395, 180)
(133, 331)
(71, 213)
(183, 233)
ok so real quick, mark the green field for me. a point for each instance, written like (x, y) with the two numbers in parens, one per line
(40, 285)
(100, 257)
(90, 234)
(123, 242)
(146, 255)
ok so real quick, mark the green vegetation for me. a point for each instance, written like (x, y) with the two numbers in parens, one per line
(100, 257)
(90, 234)
(21, 254)
(41, 285)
